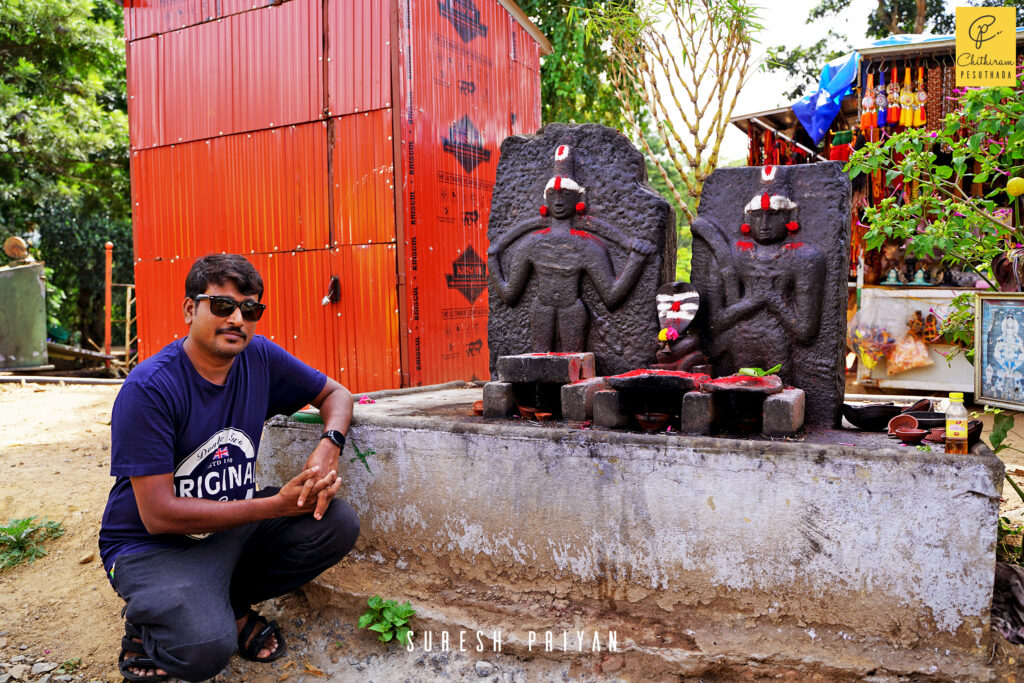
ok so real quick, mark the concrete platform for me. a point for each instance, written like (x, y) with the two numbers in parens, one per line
(839, 554)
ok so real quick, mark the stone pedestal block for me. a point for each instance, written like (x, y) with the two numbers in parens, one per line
(608, 410)
(578, 398)
(834, 565)
(698, 413)
(547, 368)
(784, 413)
(499, 400)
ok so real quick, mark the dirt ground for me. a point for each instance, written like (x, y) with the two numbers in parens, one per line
(54, 464)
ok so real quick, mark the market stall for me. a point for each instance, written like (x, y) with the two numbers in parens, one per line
(898, 300)
(895, 336)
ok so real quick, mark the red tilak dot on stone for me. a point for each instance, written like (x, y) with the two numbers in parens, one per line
(581, 207)
(792, 226)
(676, 305)
(543, 211)
(745, 228)
(766, 201)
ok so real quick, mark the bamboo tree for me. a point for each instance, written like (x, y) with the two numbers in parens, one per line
(684, 62)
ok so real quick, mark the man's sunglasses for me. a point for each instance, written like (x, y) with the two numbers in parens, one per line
(223, 306)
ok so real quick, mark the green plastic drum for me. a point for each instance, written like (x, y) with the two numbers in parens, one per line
(22, 317)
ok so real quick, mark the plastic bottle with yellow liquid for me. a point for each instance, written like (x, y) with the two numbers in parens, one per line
(956, 425)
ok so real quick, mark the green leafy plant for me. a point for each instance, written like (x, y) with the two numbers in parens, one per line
(957, 328)
(22, 540)
(361, 456)
(388, 619)
(70, 665)
(1010, 536)
(1009, 546)
(980, 144)
(1002, 424)
(758, 372)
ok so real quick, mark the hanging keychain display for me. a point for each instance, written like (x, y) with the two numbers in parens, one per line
(907, 98)
(893, 112)
(933, 108)
(867, 117)
(920, 114)
(881, 100)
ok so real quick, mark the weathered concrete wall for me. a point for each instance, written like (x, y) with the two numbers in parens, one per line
(698, 551)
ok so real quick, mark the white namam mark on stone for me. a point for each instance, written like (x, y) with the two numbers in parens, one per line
(776, 203)
(563, 183)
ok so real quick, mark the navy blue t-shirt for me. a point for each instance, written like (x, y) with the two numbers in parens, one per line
(168, 419)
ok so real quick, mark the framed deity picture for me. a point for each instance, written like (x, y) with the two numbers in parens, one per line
(999, 350)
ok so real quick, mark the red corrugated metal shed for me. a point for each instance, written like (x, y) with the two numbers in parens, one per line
(268, 129)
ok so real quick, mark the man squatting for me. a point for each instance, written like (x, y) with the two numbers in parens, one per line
(186, 540)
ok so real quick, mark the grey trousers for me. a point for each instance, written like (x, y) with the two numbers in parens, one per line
(184, 600)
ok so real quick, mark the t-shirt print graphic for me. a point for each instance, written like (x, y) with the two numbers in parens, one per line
(222, 468)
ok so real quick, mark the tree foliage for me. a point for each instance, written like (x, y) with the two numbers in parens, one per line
(63, 124)
(683, 62)
(893, 17)
(803, 64)
(575, 78)
(64, 179)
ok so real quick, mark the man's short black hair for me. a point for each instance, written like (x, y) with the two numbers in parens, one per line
(217, 269)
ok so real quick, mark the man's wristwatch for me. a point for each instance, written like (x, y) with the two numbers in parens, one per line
(335, 437)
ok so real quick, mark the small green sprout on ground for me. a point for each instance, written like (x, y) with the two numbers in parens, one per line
(22, 540)
(1008, 543)
(758, 372)
(361, 456)
(70, 666)
(388, 619)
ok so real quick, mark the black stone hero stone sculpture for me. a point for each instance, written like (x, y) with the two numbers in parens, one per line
(577, 245)
(770, 260)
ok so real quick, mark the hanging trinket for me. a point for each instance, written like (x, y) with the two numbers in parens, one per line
(867, 117)
(907, 99)
(893, 90)
(881, 100)
(933, 109)
(920, 115)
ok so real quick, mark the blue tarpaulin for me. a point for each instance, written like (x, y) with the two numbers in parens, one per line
(817, 111)
(921, 39)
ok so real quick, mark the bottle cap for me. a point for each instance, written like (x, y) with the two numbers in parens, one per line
(956, 396)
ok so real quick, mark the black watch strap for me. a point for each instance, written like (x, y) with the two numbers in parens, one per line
(335, 437)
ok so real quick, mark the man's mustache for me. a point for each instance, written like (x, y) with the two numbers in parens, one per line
(232, 330)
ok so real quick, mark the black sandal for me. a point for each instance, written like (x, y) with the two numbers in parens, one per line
(125, 664)
(251, 650)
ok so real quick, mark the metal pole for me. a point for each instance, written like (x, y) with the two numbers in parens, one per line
(107, 300)
(128, 326)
